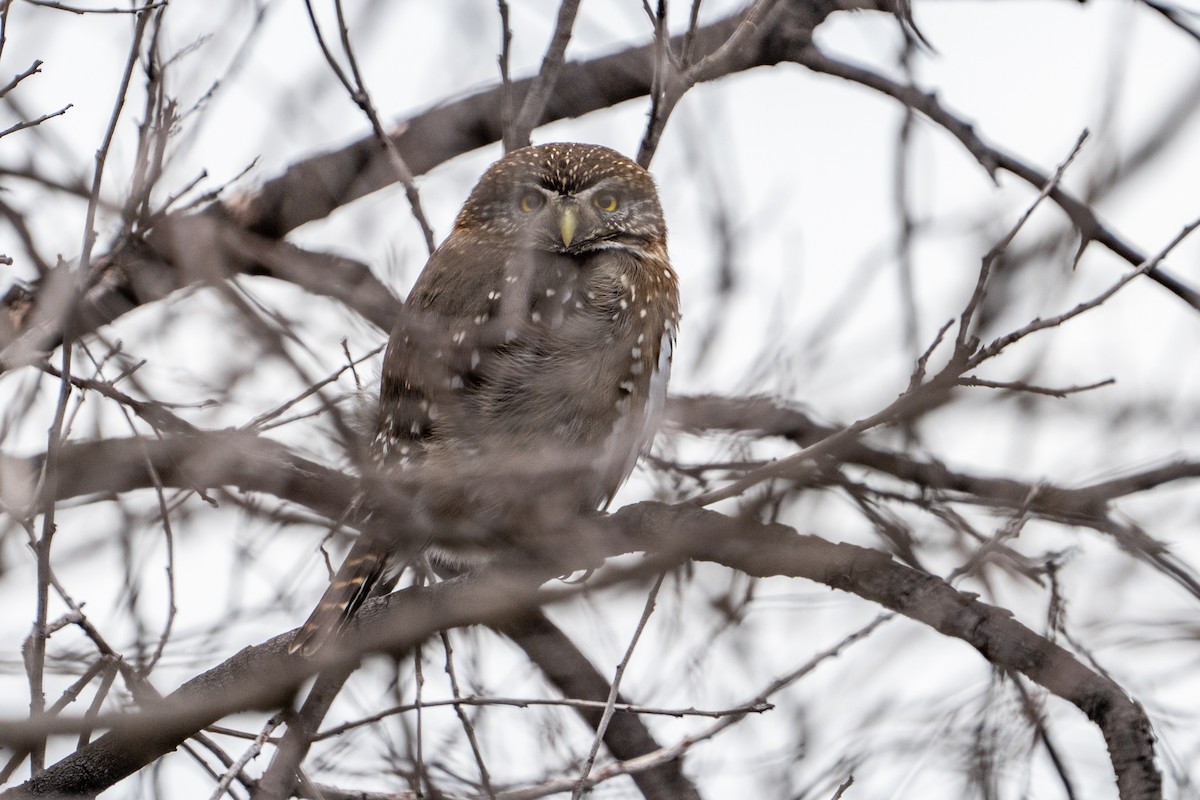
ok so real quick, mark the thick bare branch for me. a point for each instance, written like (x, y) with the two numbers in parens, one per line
(138, 272)
(674, 533)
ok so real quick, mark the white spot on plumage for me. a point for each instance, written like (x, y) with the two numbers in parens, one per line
(456, 382)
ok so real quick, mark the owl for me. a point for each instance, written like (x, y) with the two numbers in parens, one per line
(531, 362)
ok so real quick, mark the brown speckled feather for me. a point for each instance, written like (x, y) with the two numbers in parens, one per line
(538, 336)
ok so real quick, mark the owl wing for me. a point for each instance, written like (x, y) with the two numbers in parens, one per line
(656, 402)
(453, 289)
(437, 346)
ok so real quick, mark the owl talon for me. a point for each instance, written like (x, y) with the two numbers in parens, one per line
(567, 579)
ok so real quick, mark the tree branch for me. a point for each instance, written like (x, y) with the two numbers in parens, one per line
(674, 533)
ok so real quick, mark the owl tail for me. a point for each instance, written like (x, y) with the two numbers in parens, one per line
(361, 574)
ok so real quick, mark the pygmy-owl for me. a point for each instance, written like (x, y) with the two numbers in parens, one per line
(538, 336)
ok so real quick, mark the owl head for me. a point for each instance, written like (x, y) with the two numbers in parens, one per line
(567, 198)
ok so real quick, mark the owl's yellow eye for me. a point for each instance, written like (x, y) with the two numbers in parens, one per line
(531, 201)
(605, 201)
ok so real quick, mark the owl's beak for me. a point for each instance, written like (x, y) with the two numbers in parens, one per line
(568, 221)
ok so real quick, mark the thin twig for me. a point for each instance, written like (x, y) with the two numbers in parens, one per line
(33, 69)
(252, 752)
(993, 159)
(20, 126)
(614, 691)
(49, 477)
(422, 776)
(259, 422)
(902, 158)
(485, 777)
(1000, 343)
(1021, 386)
(358, 93)
(677, 750)
(81, 11)
(1173, 15)
(689, 38)
(841, 790)
(527, 702)
(506, 101)
(534, 105)
(665, 86)
(68, 696)
(93, 711)
(990, 258)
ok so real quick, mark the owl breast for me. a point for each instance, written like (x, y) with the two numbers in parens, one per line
(584, 371)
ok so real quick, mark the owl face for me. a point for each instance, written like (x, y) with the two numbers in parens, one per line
(567, 198)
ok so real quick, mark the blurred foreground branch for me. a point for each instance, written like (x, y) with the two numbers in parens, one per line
(502, 595)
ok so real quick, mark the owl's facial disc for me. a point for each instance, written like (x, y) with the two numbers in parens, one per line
(585, 219)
